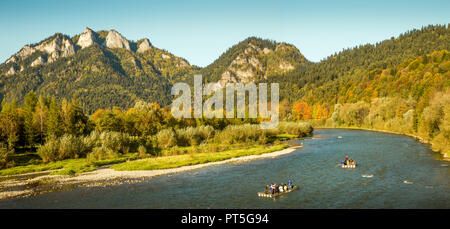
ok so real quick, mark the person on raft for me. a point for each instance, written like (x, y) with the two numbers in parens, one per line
(277, 188)
(348, 161)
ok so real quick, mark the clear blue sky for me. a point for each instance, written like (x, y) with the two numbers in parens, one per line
(201, 30)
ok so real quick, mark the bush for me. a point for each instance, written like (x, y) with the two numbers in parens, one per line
(353, 114)
(66, 147)
(5, 154)
(71, 147)
(116, 141)
(142, 150)
(194, 135)
(300, 129)
(92, 140)
(241, 134)
(101, 153)
(149, 142)
(50, 150)
(166, 138)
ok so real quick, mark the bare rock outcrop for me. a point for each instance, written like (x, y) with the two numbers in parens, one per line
(86, 39)
(12, 59)
(11, 71)
(244, 67)
(182, 63)
(144, 46)
(23, 53)
(285, 66)
(58, 46)
(38, 61)
(116, 40)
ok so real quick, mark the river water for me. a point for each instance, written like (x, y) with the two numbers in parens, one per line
(393, 171)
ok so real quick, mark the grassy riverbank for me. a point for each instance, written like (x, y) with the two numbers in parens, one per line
(167, 158)
(169, 148)
(193, 159)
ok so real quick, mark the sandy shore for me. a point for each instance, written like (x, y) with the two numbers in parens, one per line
(105, 176)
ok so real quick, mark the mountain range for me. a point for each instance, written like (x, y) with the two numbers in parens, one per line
(103, 69)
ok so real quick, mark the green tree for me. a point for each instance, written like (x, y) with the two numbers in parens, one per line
(40, 118)
(54, 121)
(29, 108)
(75, 121)
(9, 124)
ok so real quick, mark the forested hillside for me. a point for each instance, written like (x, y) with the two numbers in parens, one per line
(399, 85)
(384, 54)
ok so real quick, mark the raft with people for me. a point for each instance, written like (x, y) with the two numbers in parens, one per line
(274, 190)
(348, 163)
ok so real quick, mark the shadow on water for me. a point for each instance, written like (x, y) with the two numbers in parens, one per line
(393, 171)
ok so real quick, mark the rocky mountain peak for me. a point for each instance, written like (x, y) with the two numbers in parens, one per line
(56, 46)
(86, 39)
(144, 46)
(116, 40)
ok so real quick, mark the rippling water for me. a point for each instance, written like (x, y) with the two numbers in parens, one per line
(393, 172)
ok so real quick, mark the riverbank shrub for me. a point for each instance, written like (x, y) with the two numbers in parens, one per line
(142, 150)
(92, 140)
(101, 153)
(166, 138)
(66, 147)
(5, 154)
(116, 141)
(50, 150)
(71, 147)
(194, 135)
(300, 129)
(242, 133)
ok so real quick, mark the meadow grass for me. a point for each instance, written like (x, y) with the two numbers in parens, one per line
(42, 167)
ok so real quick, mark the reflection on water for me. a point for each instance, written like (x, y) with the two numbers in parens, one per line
(393, 172)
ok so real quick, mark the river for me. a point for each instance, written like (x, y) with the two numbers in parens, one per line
(393, 171)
